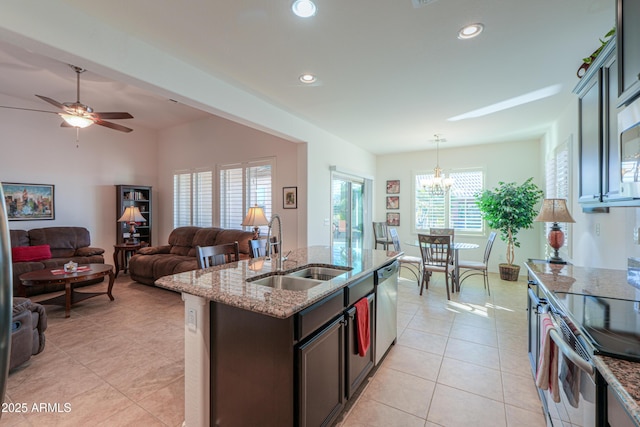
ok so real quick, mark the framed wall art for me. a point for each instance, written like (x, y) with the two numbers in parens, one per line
(393, 202)
(393, 219)
(290, 197)
(393, 186)
(26, 202)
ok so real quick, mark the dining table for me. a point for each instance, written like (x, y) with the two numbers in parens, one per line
(456, 247)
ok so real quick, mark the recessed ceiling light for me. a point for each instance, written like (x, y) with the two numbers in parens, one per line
(304, 8)
(308, 78)
(470, 31)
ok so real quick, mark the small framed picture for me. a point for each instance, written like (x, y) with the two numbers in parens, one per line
(393, 219)
(26, 202)
(290, 197)
(393, 202)
(393, 186)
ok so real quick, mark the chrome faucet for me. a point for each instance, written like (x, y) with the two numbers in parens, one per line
(270, 244)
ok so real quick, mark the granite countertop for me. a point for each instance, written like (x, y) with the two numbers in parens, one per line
(227, 283)
(622, 376)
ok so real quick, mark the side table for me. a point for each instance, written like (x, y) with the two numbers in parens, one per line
(121, 254)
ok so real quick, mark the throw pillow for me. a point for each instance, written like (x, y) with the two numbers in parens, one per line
(30, 253)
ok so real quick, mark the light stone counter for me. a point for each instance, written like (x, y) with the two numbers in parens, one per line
(227, 283)
(621, 375)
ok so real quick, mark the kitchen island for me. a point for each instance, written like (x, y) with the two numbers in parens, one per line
(247, 346)
(622, 376)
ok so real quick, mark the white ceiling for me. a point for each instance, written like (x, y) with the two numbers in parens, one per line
(389, 74)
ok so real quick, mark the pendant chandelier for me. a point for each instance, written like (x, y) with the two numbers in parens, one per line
(439, 185)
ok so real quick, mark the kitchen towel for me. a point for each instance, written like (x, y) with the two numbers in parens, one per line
(570, 377)
(364, 328)
(547, 375)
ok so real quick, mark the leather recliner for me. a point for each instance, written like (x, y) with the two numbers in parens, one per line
(29, 321)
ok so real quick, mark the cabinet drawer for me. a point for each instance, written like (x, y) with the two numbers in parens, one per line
(312, 318)
(358, 290)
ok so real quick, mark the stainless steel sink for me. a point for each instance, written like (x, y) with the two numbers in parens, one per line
(290, 283)
(318, 273)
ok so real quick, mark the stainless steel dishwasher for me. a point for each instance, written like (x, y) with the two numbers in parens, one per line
(386, 281)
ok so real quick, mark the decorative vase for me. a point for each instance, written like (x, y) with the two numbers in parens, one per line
(509, 272)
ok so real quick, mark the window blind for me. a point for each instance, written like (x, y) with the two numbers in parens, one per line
(456, 209)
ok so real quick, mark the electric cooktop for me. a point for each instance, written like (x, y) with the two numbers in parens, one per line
(611, 325)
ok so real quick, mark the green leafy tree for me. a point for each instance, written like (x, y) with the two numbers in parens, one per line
(509, 208)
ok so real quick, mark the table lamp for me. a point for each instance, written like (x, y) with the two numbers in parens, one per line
(255, 218)
(555, 211)
(131, 216)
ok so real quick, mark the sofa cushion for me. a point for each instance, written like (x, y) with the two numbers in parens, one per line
(240, 236)
(204, 237)
(63, 240)
(89, 251)
(19, 238)
(30, 253)
(181, 240)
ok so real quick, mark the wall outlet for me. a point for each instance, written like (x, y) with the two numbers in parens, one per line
(191, 320)
(597, 228)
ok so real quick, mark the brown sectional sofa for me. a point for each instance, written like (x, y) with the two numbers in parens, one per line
(66, 244)
(151, 263)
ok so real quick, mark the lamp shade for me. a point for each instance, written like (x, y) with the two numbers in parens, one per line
(132, 214)
(554, 210)
(255, 217)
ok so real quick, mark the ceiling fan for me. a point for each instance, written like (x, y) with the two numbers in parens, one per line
(78, 115)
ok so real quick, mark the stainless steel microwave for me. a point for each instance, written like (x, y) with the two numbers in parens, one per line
(629, 132)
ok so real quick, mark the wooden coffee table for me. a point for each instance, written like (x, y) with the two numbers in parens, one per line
(71, 296)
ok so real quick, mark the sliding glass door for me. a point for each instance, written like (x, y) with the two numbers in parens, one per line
(347, 216)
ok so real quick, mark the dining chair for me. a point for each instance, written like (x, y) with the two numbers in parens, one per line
(381, 235)
(437, 257)
(473, 268)
(408, 262)
(442, 232)
(208, 256)
(259, 247)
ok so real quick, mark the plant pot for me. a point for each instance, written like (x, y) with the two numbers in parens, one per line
(509, 272)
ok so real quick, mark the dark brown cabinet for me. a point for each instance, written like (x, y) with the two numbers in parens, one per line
(628, 52)
(598, 147)
(590, 144)
(298, 371)
(321, 392)
(139, 196)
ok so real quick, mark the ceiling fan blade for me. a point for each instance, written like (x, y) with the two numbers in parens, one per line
(51, 101)
(27, 109)
(114, 126)
(113, 116)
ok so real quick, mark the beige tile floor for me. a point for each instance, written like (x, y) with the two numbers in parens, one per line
(117, 363)
(121, 363)
(456, 363)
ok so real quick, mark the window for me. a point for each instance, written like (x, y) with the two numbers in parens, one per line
(243, 185)
(193, 198)
(457, 209)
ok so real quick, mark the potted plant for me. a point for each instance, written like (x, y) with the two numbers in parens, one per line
(509, 208)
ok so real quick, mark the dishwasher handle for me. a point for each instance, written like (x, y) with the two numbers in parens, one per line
(387, 271)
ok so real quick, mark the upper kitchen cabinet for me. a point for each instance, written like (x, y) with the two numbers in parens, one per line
(628, 41)
(599, 152)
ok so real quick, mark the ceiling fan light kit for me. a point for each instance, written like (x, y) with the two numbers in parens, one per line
(76, 121)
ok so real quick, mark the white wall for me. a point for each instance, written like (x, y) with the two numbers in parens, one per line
(508, 162)
(217, 141)
(36, 150)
